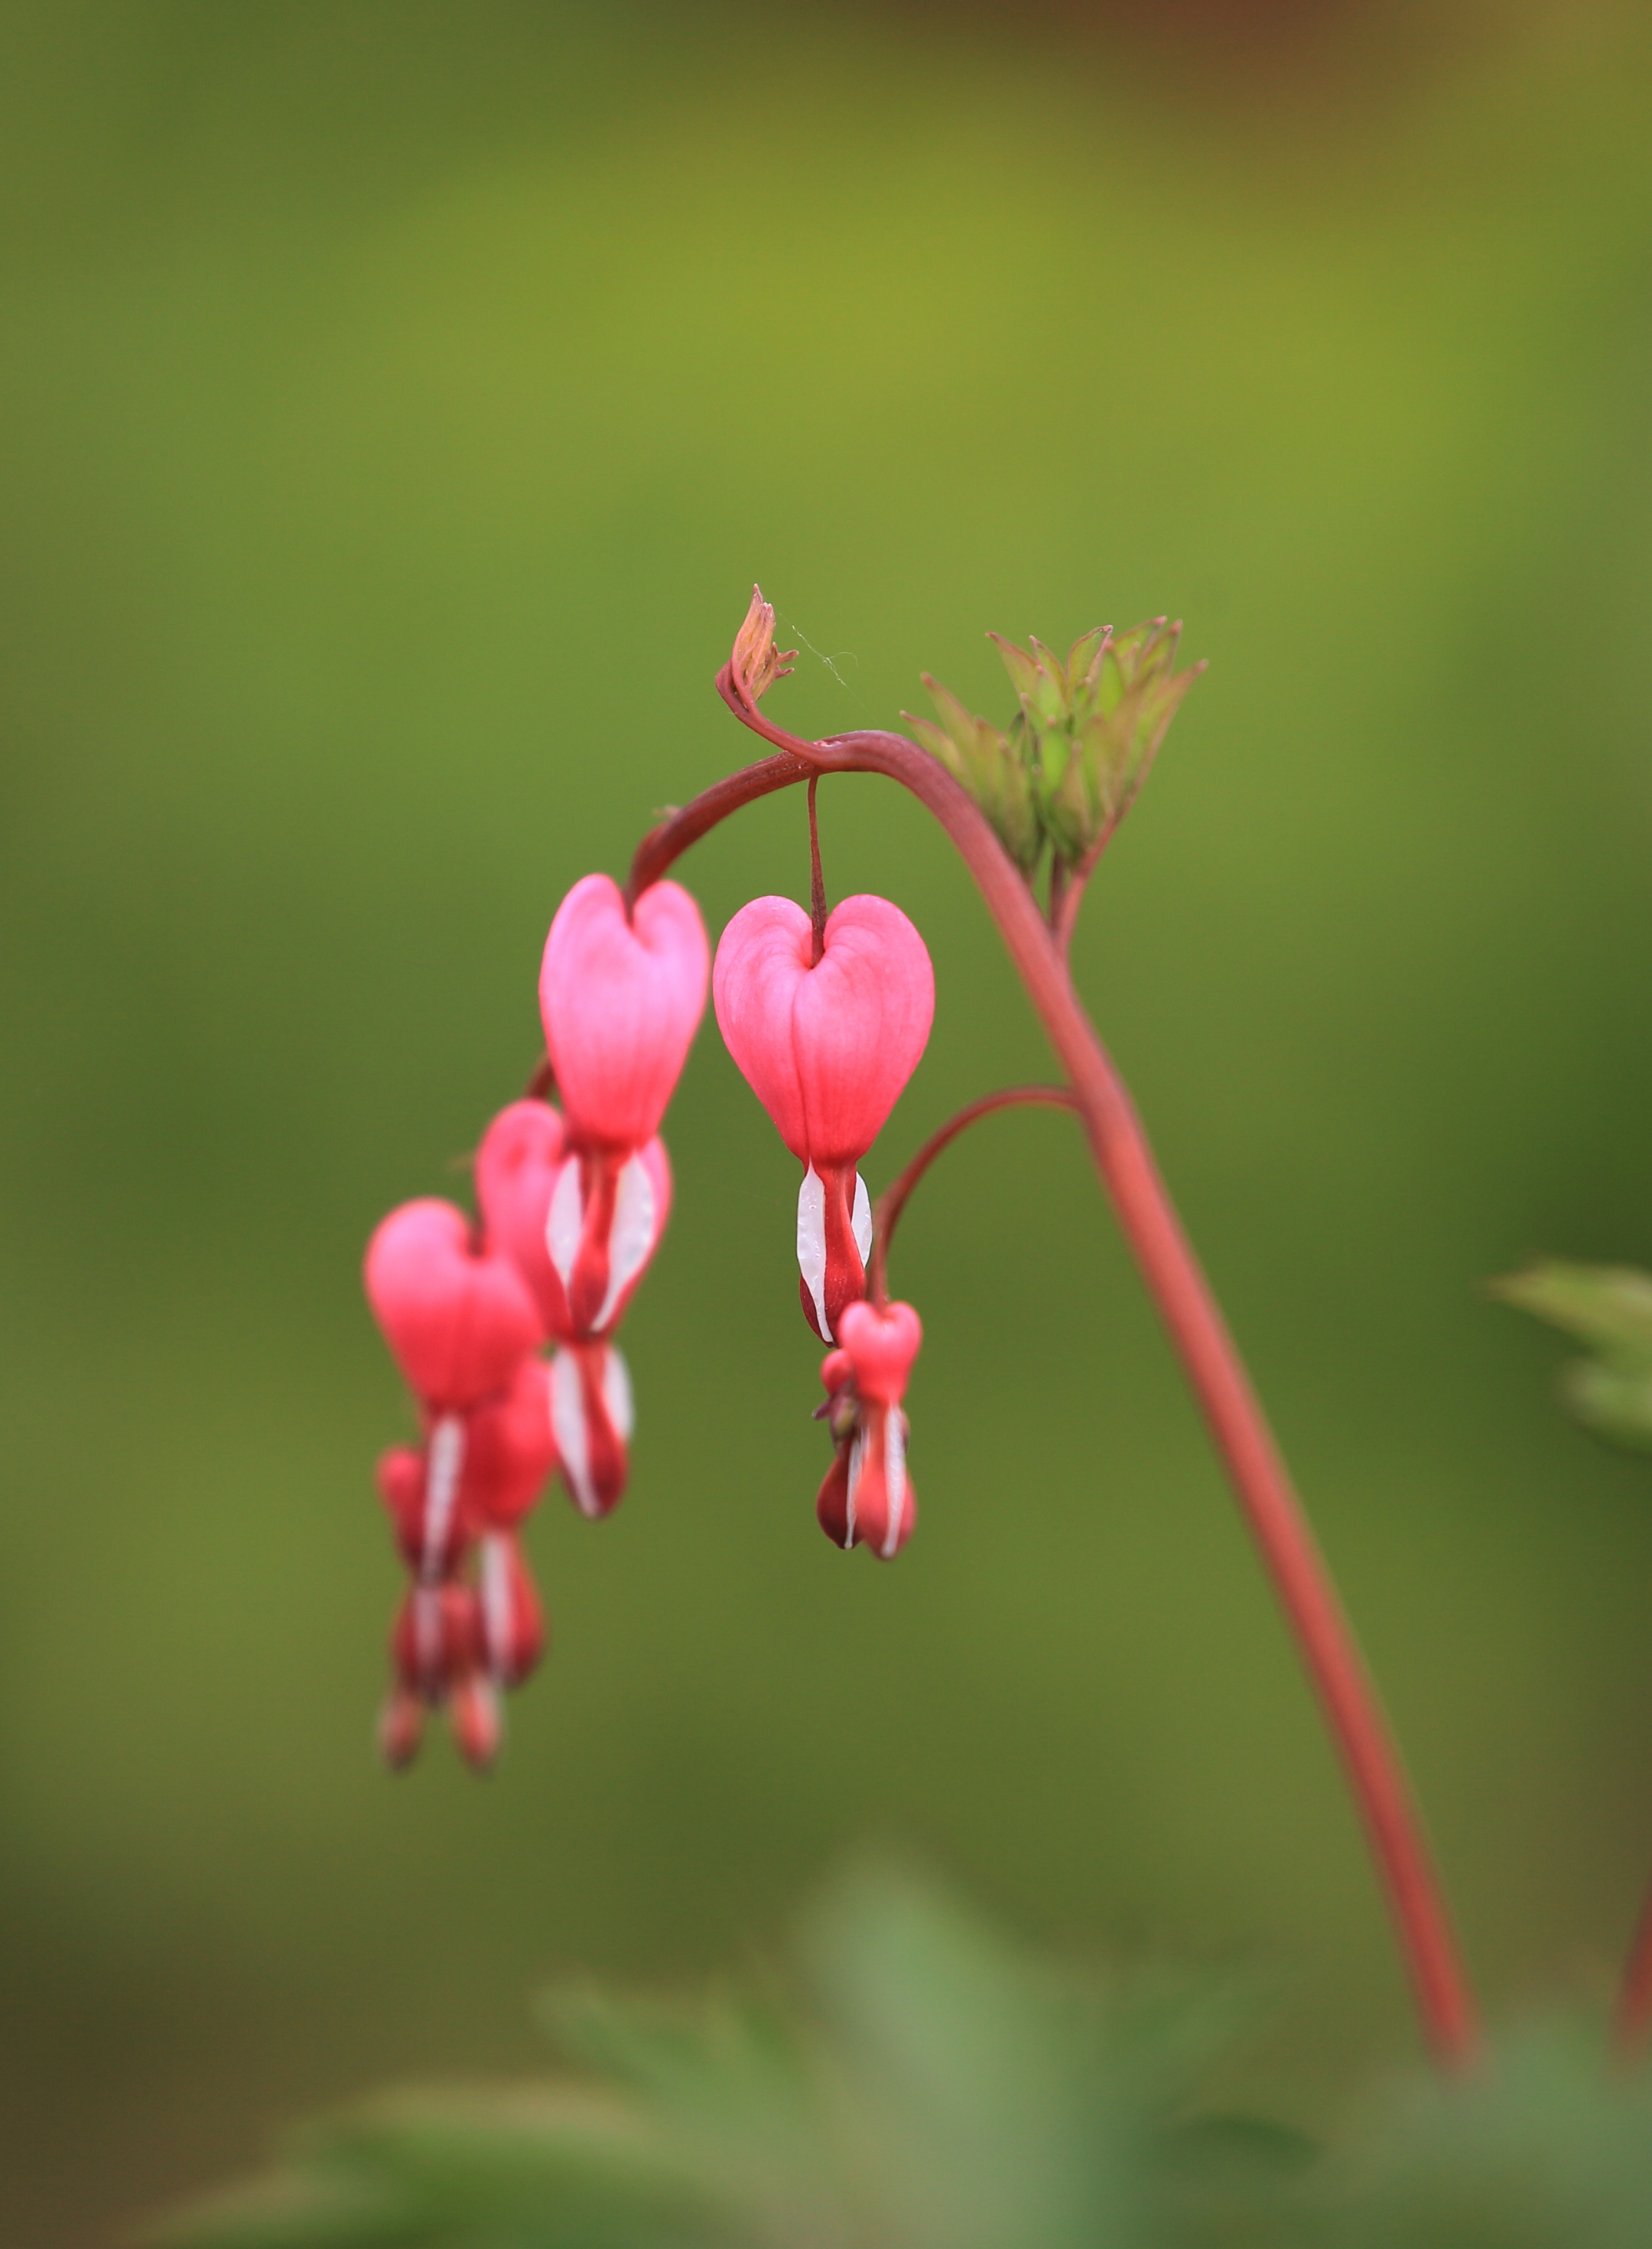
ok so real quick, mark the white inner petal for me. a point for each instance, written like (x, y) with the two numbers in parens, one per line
(616, 1394)
(860, 1223)
(855, 1451)
(565, 1219)
(895, 1469)
(568, 1420)
(635, 1229)
(812, 1256)
(444, 1465)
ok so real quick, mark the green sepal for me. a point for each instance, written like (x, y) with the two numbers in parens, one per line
(1092, 724)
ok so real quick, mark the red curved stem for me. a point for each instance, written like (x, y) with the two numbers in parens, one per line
(1189, 1309)
(886, 1214)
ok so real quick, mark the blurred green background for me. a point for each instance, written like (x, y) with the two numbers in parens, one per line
(395, 406)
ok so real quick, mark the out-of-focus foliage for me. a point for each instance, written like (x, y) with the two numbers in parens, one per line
(926, 2084)
(1545, 2144)
(1609, 1307)
(931, 2086)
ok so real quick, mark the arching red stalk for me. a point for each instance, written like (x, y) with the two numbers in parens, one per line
(1176, 1283)
(886, 1214)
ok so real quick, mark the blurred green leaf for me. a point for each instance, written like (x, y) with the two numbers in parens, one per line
(926, 2084)
(1545, 2146)
(1609, 1306)
(990, 765)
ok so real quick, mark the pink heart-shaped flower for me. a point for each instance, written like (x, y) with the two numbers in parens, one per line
(458, 1320)
(621, 1000)
(827, 1048)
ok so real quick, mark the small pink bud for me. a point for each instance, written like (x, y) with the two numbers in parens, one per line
(591, 1412)
(512, 1620)
(458, 1321)
(827, 1047)
(621, 1000)
(880, 1347)
(866, 1497)
(436, 1640)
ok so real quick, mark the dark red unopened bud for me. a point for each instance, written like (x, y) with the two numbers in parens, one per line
(592, 1415)
(512, 1618)
(400, 1728)
(437, 1646)
(832, 1502)
(436, 1640)
(476, 1720)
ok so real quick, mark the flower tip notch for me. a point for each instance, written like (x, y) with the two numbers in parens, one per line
(755, 662)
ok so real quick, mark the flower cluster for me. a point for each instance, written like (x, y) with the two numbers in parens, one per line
(573, 1206)
(505, 1327)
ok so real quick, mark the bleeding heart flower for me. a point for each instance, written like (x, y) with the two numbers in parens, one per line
(607, 1212)
(591, 1414)
(579, 1229)
(621, 999)
(459, 1320)
(512, 1620)
(866, 1497)
(827, 1047)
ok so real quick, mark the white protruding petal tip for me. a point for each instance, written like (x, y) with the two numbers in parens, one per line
(812, 1251)
(860, 1223)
